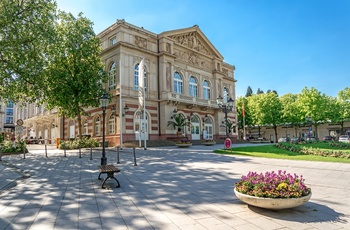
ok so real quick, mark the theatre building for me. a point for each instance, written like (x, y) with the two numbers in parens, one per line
(183, 74)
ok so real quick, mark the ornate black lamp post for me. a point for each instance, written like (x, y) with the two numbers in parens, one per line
(104, 100)
(225, 107)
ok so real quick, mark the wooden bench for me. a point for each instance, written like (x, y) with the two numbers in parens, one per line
(109, 170)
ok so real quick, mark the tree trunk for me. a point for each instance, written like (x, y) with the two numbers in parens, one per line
(275, 128)
(79, 126)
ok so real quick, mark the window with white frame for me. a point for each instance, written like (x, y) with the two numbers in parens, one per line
(225, 96)
(111, 124)
(136, 77)
(193, 87)
(86, 131)
(178, 83)
(111, 76)
(97, 126)
(206, 90)
(113, 41)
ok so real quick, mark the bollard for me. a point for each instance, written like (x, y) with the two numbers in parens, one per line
(64, 150)
(45, 150)
(135, 164)
(118, 162)
(90, 151)
(79, 152)
(24, 153)
(0, 153)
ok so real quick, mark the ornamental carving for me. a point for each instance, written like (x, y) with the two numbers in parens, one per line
(141, 42)
(191, 41)
(192, 58)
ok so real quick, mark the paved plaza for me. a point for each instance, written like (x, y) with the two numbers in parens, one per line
(169, 188)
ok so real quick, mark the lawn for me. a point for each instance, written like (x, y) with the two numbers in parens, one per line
(270, 151)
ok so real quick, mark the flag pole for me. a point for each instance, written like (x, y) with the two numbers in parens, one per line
(243, 114)
(120, 104)
(144, 118)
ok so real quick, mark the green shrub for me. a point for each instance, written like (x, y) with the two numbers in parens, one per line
(76, 143)
(313, 151)
(7, 146)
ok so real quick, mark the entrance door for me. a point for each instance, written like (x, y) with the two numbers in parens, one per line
(208, 126)
(195, 128)
(143, 135)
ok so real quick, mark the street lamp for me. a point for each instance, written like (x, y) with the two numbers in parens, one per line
(104, 100)
(225, 107)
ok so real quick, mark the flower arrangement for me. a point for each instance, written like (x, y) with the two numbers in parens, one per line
(183, 142)
(209, 140)
(273, 185)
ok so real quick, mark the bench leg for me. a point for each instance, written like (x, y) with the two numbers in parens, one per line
(99, 176)
(109, 176)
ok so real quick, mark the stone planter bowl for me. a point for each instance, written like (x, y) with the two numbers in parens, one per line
(272, 203)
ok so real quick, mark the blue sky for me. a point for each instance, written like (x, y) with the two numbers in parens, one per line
(282, 45)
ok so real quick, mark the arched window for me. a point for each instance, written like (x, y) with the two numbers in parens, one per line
(193, 87)
(111, 76)
(111, 124)
(86, 131)
(97, 126)
(136, 77)
(225, 95)
(206, 90)
(178, 83)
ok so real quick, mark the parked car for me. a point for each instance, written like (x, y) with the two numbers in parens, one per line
(282, 139)
(294, 140)
(344, 138)
(328, 138)
(310, 139)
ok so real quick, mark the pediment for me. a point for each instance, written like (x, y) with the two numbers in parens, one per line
(193, 39)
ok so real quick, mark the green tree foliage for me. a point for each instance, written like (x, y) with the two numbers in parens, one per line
(26, 30)
(313, 104)
(179, 121)
(290, 112)
(249, 92)
(341, 108)
(75, 76)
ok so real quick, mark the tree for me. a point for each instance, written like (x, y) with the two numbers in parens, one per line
(74, 79)
(313, 104)
(249, 92)
(270, 110)
(341, 108)
(26, 30)
(179, 122)
(259, 91)
(291, 112)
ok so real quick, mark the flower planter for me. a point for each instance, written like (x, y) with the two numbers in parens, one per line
(183, 145)
(208, 143)
(272, 203)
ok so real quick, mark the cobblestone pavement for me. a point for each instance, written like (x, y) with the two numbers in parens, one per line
(170, 188)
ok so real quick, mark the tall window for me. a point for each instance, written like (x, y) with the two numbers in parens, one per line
(193, 87)
(97, 126)
(86, 131)
(225, 96)
(113, 41)
(206, 90)
(111, 124)
(71, 130)
(111, 76)
(178, 84)
(9, 113)
(136, 77)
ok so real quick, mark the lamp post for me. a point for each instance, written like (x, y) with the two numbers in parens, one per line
(225, 107)
(103, 104)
